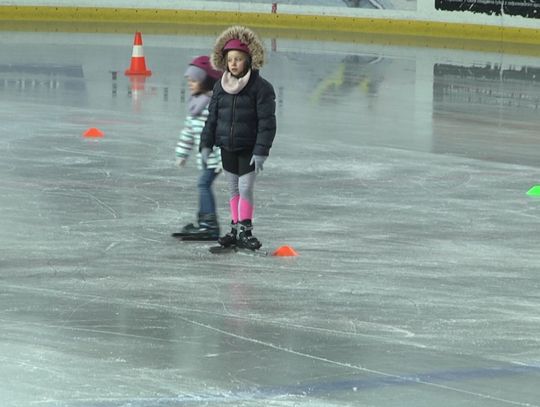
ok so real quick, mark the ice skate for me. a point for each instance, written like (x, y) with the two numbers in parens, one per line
(206, 230)
(230, 238)
(245, 239)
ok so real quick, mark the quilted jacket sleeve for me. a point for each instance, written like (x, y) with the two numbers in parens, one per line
(266, 118)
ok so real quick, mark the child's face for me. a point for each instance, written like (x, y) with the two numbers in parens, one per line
(237, 62)
(195, 87)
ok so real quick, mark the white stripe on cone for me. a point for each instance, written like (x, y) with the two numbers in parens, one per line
(137, 51)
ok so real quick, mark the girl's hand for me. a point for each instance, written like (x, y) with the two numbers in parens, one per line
(258, 160)
(205, 153)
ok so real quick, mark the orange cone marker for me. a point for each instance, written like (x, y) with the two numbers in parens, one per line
(93, 133)
(138, 63)
(285, 251)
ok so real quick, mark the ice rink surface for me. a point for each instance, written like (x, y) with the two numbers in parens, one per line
(399, 174)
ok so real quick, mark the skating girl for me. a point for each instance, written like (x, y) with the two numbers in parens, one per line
(242, 123)
(201, 78)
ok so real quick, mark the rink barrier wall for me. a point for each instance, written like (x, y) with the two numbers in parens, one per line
(13, 15)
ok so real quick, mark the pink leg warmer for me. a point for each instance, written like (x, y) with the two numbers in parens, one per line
(234, 207)
(245, 209)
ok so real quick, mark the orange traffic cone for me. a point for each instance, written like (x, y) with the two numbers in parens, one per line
(284, 251)
(138, 63)
(93, 133)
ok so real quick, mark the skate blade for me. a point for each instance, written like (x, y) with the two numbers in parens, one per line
(222, 249)
(250, 252)
(189, 238)
(239, 250)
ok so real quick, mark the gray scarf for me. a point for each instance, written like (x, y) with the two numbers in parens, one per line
(197, 103)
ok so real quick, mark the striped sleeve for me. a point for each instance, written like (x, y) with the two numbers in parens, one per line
(186, 140)
(189, 140)
(214, 160)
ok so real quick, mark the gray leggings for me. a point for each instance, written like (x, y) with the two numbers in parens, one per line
(241, 185)
(239, 173)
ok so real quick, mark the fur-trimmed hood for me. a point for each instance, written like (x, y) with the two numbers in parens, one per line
(245, 35)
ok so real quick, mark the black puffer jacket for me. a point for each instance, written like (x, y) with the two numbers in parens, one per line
(245, 121)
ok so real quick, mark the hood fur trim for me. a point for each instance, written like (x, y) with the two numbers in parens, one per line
(248, 37)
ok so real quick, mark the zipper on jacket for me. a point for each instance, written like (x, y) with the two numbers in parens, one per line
(231, 135)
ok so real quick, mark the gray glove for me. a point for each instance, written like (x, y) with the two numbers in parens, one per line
(205, 153)
(258, 160)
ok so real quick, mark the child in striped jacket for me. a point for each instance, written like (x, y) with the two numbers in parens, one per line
(201, 78)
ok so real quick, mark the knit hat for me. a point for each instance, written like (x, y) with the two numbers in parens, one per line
(200, 68)
(238, 38)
